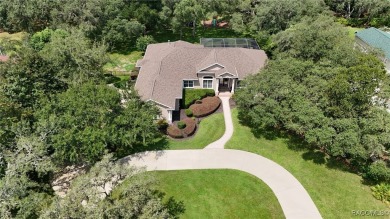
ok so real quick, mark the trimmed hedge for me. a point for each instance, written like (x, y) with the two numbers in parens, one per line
(174, 132)
(190, 127)
(181, 125)
(188, 112)
(192, 95)
(207, 107)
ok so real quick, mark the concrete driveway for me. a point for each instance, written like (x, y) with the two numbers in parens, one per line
(293, 198)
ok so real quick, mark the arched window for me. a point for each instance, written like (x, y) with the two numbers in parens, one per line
(208, 82)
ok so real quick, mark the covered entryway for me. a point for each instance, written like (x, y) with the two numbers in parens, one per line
(226, 84)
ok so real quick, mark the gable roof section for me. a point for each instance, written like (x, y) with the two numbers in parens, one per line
(165, 65)
(376, 38)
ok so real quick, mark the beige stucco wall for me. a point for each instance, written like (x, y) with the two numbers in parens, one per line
(164, 112)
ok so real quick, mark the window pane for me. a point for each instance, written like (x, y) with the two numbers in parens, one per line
(188, 84)
(207, 84)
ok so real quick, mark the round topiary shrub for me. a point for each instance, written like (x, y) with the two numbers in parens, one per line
(188, 112)
(181, 125)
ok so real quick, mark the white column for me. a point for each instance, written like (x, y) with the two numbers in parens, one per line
(233, 85)
(216, 86)
(169, 116)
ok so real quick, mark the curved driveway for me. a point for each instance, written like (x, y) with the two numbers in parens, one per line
(293, 198)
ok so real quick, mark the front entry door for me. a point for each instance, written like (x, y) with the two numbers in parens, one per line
(225, 82)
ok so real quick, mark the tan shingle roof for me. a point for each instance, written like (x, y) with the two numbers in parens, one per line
(166, 65)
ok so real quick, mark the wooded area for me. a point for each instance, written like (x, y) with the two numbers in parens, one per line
(57, 110)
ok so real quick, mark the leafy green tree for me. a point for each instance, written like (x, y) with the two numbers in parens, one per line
(25, 82)
(24, 190)
(188, 11)
(90, 195)
(352, 87)
(88, 120)
(144, 41)
(40, 39)
(330, 107)
(21, 15)
(74, 58)
(121, 33)
(314, 40)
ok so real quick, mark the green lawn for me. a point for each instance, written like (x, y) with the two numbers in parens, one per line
(122, 62)
(336, 192)
(210, 129)
(352, 30)
(219, 194)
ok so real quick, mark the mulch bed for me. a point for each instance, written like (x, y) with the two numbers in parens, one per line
(191, 126)
(207, 106)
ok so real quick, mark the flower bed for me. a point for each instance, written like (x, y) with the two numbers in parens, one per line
(207, 107)
(188, 130)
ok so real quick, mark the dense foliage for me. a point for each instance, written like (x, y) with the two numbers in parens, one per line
(324, 91)
(90, 196)
(56, 110)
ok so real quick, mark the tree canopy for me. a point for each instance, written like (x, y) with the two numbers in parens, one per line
(330, 97)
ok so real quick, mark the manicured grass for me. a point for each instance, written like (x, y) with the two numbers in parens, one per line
(165, 35)
(335, 191)
(219, 194)
(210, 129)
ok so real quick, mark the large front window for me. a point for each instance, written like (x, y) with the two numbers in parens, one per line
(208, 82)
(188, 84)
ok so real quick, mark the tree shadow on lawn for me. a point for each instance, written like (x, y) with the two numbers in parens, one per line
(175, 208)
(161, 143)
(297, 143)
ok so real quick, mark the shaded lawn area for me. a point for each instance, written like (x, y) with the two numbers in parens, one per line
(163, 35)
(210, 129)
(335, 191)
(219, 194)
(122, 62)
(352, 30)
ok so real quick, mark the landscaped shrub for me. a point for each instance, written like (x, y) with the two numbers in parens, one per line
(190, 126)
(191, 95)
(188, 112)
(181, 125)
(174, 132)
(208, 106)
(381, 192)
(144, 41)
(162, 124)
(378, 172)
